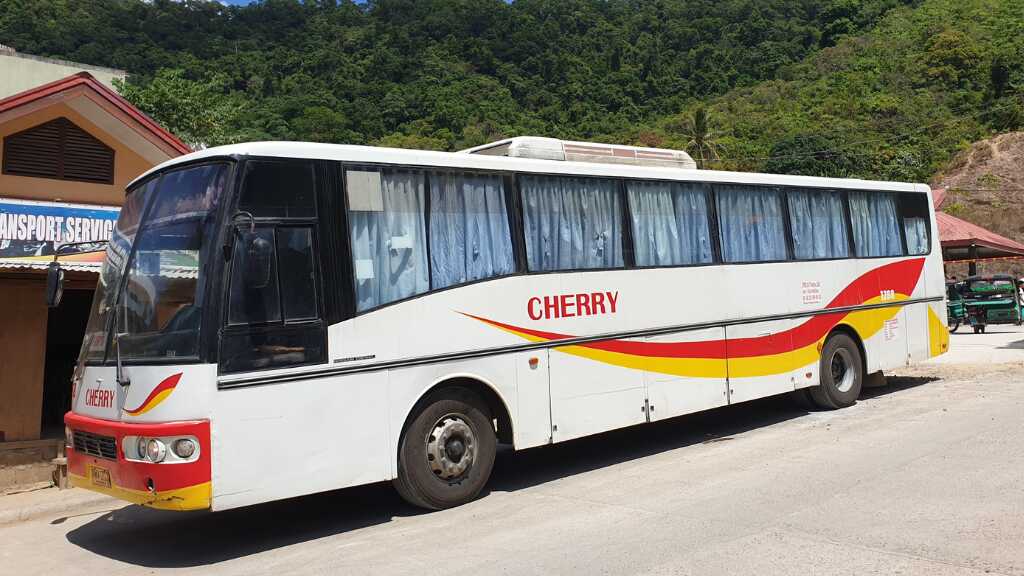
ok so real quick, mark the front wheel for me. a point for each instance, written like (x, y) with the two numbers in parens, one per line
(954, 326)
(447, 451)
(842, 374)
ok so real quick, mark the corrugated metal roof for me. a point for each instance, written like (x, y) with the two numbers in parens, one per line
(23, 265)
(959, 235)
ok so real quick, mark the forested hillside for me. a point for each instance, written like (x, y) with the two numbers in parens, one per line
(873, 88)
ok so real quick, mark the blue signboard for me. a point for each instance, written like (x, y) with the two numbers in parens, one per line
(33, 230)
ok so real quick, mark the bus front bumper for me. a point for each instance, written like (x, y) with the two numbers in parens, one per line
(99, 463)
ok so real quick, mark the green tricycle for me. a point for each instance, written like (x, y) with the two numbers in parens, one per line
(956, 310)
(991, 300)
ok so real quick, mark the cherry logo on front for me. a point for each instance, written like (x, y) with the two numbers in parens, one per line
(158, 395)
(99, 397)
(572, 305)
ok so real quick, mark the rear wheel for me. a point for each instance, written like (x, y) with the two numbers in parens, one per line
(447, 451)
(842, 374)
(954, 326)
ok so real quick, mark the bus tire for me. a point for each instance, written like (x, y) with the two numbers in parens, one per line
(447, 451)
(841, 374)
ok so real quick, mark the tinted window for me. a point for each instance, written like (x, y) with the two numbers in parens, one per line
(298, 280)
(278, 189)
(571, 223)
(387, 229)
(751, 223)
(254, 297)
(818, 223)
(670, 223)
(876, 229)
(469, 231)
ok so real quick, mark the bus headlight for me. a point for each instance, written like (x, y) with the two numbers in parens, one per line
(156, 450)
(184, 448)
(140, 448)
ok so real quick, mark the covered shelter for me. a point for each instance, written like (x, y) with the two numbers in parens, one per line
(965, 242)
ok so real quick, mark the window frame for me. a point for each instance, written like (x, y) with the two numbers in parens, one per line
(320, 261)
(901, 200)
(712, 222)
(786, 229)
(847, 224)
(515, 227)
(513, 204)
(899, 223)
(620, 192)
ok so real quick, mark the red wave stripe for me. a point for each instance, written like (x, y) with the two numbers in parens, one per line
(900, 277)
(167, 384)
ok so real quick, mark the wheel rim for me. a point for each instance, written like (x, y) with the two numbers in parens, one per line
(451, 448)
(843, 371)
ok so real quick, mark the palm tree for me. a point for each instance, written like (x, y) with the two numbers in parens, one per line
(701, 141)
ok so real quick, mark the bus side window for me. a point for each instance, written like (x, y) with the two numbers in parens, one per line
(876, 230)
(818, 223)
(751, 222)
(387, 228)
(914, 213)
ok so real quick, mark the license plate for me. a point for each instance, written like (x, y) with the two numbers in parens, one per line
(100, 477)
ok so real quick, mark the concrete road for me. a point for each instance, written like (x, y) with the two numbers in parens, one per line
(925, 476)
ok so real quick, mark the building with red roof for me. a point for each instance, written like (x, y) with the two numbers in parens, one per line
(70, 144)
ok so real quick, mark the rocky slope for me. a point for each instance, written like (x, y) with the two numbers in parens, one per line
(985, 186)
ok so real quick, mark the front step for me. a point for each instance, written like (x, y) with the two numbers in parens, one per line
(28, 462)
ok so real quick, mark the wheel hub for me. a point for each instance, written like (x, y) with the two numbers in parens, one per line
(451, 448)
(842, 370)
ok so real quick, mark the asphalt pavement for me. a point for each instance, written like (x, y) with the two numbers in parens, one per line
(924, 476)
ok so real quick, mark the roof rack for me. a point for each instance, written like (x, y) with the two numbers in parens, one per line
(540, 148)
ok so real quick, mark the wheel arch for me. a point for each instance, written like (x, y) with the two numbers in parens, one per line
(852, 333)
(485, 390)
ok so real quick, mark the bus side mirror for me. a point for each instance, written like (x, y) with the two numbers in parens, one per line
(54, 284)
(257, 263)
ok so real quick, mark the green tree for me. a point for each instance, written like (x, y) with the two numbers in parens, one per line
(200, 113)
(701, 138)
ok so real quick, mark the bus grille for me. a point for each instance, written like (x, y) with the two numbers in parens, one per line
(95, 445)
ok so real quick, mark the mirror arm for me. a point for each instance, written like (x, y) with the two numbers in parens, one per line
(227, 242)
(120, 375)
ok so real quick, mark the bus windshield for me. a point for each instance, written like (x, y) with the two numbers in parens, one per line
(150, 290)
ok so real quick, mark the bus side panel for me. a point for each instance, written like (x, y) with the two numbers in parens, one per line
(288, 439)
(589, 396)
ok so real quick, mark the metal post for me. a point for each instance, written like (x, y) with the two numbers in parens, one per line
(972, 267)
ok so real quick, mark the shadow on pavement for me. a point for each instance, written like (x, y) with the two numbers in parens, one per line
(158, 539)
(1015, 345)
(897, 384)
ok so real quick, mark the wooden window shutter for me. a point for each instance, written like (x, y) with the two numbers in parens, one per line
(58, 149)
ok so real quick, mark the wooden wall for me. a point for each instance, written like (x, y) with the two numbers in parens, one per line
(23, 314)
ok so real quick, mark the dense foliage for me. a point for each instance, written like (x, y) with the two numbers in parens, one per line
(875, 88)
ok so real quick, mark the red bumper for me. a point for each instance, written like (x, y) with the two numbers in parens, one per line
(172, 486)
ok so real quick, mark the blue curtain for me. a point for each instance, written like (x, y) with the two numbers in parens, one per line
(751, 224)
(389, 242)
(670, 223)
(916, 230)
(469, 232)
(571, 223)
(819, 226)
(876, 229)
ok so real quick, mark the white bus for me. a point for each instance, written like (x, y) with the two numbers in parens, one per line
(280, 319)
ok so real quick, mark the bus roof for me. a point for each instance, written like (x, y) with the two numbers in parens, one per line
(456, 160)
